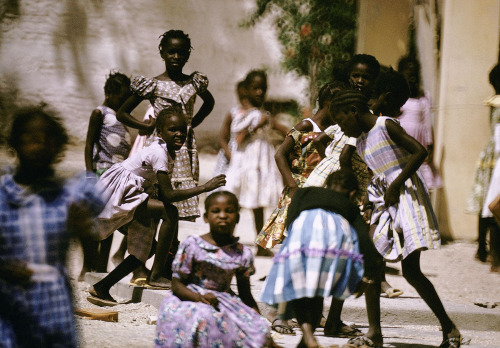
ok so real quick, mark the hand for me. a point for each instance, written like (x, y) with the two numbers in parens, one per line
(15, 272)
(391, 196)
(210, 299)
(151, 124)
(215, 182)
(362, 286)
(367, 214)
(241, 136)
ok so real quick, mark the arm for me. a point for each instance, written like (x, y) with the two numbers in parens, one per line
(345, 158)
(205, 110)
(245, 293)
(224, 135)
(279, 126)
(321, 142)
(283, 153)
(249, 131)
(185, 294)
(93, 133)
(123, 115)
(169, 195)
(418, 154)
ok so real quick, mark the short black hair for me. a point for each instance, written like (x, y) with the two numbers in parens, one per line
(173, 34)
(370, 61)
(349, 97)
(494, 76)
(328, 91)
(211, 197)
(26, 114)
(254, 73)
(407, 61)
(167, 113)
(343, 178)
(395, 83)
(115, 82)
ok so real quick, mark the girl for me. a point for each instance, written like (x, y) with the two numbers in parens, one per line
(174, 88)
(38, 213)
(108, 142)
(485, 165)
(403, 222)
(202, 310)
(416, 119)
(296, 158)
(128, 186)
(321, 256)
(252, 174)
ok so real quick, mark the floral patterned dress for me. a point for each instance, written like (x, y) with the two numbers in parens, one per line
(165, 94)
(208, 268)
(302, 162)
(485, 163)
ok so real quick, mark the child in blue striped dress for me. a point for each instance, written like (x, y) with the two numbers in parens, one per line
(402, 223)
(322, 255)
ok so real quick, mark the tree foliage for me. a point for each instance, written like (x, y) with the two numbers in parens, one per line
(315, 34)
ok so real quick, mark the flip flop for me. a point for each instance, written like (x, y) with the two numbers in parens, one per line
(156, 287)
(392, 293)
(287, 330)
(345, 331)
(101, 302)
(140, 282)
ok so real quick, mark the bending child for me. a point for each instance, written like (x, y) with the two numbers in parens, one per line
(129, 186)
(403, 222)
(202, 310)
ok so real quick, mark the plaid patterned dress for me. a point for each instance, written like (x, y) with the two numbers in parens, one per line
(33, 230)
(331, 163)
(410, 224)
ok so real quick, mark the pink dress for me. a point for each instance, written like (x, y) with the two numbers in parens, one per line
(416, 121)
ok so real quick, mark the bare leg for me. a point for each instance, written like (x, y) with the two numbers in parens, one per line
(90, 255)
(168, 231)
(414, 276)
(482, 229)
(258, 215)
(103, 256)
(308, 313)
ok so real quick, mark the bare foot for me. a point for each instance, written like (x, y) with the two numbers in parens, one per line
(160, 283)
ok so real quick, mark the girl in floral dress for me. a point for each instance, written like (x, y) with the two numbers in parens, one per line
(202, 310)
(174, 88)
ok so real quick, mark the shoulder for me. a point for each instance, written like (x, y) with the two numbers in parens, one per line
(200, 81)
(142, 85)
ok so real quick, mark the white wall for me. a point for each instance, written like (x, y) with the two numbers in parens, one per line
(61, 51)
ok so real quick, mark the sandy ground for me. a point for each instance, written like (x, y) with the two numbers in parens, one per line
(453, 271)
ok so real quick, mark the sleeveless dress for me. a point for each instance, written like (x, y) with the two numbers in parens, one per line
(222, 164)
(164, 94)
(321, 255)
(252, 174)
(114, 141)
(331, 163)
(416, 120)
(302, 161)
(204, 268)
(410, 224)
(486, 162)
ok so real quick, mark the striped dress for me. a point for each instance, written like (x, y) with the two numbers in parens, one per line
(410, 224)
(331, 163)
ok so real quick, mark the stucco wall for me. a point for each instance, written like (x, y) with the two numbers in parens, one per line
(61, 51)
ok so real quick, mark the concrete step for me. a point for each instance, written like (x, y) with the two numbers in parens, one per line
(404, 310)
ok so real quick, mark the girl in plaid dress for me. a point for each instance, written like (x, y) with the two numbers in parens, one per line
(402, 223)
(38, 212)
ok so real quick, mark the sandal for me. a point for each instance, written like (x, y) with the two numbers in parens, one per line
(392, 292)
(283, 329)
(345, 331)
(140, 282)
(451, 342)
(360, 342)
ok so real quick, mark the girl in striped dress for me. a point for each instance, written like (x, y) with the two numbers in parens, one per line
(403, 222)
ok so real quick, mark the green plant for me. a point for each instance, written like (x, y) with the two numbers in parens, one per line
(315, 34)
